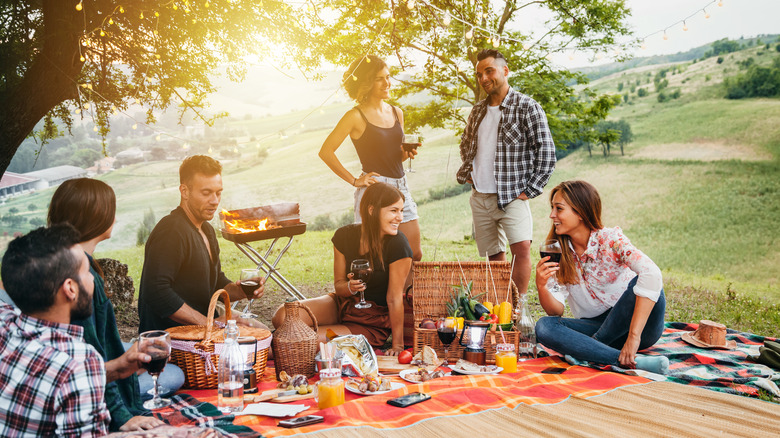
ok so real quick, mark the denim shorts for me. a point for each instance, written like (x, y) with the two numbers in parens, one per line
(410, 207)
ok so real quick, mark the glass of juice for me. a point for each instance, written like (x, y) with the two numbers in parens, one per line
(330, 388)
(506, 358)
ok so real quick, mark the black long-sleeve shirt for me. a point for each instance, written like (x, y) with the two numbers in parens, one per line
(177, 270)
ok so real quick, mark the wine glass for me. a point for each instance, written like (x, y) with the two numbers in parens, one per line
(410, 143)
(361, 270)
(551, 248)
(446, 329)
(249, 280)
(157, 344)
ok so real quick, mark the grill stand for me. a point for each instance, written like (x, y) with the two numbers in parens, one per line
(269, 268)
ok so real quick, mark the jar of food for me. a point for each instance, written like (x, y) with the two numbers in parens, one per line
(330, 389)
(506, 358)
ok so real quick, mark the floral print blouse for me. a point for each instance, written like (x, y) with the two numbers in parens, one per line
(606, 267)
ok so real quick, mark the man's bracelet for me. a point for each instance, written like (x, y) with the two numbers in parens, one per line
(354, 181)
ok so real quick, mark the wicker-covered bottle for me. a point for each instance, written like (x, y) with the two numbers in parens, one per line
(295, 343)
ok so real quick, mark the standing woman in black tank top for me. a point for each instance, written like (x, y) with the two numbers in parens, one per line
(376, 130)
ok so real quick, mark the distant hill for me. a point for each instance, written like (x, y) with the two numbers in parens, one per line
(600, 71)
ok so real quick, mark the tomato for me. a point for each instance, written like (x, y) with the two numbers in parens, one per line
(405, 357)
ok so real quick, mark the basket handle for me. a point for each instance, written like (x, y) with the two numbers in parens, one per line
(311, 315)
(212, 306)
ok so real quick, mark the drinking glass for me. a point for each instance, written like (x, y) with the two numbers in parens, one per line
(551, 248)
(410, 143)
(446, 328)
(157, 344)
(361, 270)
(249, 280)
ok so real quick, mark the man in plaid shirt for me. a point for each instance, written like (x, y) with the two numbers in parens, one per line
(51, 381)
(508, 156)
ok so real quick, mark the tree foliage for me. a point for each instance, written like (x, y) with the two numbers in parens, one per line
(436, 60)
(756, 82)
(98, 57)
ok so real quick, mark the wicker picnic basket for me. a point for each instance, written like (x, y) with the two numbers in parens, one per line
(433, 283)
(195, 348)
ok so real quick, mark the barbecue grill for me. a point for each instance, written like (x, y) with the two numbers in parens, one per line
(258, 224)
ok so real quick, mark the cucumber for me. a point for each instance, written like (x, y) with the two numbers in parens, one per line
(466, 309)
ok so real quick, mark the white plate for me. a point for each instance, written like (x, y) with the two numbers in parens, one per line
(393, 387)
(405, 373)
(461, 371)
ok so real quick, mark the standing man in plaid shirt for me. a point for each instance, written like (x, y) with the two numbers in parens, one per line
(51, 381)
(508, 156)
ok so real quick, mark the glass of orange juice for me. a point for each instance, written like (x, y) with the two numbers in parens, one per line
(330, 389)
(506, 358)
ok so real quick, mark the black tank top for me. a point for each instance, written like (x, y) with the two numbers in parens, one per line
(379, 149)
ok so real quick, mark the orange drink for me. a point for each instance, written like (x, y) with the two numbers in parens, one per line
(506, 358)
(330, 389)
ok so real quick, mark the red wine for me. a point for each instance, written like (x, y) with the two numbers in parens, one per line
(554, 256)
(362, 274)
(447, 336)
(156, 365)
(408, 147)
(249, 286)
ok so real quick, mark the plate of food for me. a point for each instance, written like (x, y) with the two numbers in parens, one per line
(420, 375)
(371, 385)
(470, 368)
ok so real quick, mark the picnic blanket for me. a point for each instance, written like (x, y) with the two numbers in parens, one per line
(728, 371)
(186, 410)
(456, 395)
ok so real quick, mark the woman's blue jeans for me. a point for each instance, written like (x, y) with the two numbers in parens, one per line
(170, 380)
(600, 339)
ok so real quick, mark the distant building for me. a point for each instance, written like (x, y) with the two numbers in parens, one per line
(129, 156)
(101, 166)
(55, 176)
(14, 184)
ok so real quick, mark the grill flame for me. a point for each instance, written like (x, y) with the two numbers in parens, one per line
(236, 225)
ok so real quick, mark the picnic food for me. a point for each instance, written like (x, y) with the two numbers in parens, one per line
(427, 356)
(405, 357)
(465, 365)
(370, 383)
(422, 375)
(428, 323)
(504, 313)
(296, 382)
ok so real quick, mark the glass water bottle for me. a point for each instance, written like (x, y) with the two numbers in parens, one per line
(231, 372)
(525, 324)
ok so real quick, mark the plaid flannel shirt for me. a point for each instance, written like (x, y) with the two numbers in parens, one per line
(525, 154)
(51, 381)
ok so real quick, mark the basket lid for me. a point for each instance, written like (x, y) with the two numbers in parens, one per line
(196, 333)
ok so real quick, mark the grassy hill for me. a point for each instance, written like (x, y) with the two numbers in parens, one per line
(697, 190)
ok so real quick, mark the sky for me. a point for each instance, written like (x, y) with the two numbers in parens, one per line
(734, 19)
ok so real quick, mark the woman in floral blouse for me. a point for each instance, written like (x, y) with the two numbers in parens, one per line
(614, 290)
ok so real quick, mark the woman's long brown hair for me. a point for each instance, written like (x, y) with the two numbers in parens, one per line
(584, 199)
(87, 204)
(376, 197)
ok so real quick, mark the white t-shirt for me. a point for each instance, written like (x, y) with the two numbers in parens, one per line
(482, 172)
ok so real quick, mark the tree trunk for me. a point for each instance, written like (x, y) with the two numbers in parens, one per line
(51, 79)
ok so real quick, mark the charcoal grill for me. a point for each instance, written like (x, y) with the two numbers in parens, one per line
(283, 220)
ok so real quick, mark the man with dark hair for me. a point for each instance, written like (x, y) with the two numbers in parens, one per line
(508, 156)
(51, 381)
(181, 266)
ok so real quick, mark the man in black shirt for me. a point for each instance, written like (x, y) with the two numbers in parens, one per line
(181, 263)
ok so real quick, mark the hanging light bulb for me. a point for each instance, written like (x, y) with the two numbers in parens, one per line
(720, 3)
(447, 19)
(110, 21)
(175, 7)
(157, 137)
(79, 6)
(644, 46)
(666, 37)
(211, 150)
(470, 33)
(102, 33)
(121, 10)
(156, 14)
(135, 126)
(81, 58)
(410, 4)
(95, 128)
(141, 16)
(77, 111)
(685, 26)
(571, 57)
(496, 41)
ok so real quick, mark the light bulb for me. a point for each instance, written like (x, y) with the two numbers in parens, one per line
(410, 4)
(135, 126)
(77, 111)
(175, 8)
(121, 10)
(81, 58)
(720, 4)
(110, 21)
(102, 33)
(156, 14)
(496, 41)
(354, 78)
(95, 129)
(666, 37)
(79, 6)
(644, 46)
(206, 4)
(368, 60)
(706, 15)
(211, 150)
(685, 26)
(447, 19)
(141, 16)
(571, 57)
(470, 34)
(86, 106)
(157, 137)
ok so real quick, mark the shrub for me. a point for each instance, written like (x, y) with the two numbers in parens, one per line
(662, 97)
(642, 92)
(756, 82)
(720, 60)
(146, 227)
(676, 94)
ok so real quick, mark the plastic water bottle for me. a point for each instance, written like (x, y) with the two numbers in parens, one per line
(526, 325)
(231, 372)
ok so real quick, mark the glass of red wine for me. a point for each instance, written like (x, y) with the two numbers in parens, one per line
(361, 270)
(551, 248)
(446, 328)
(249, 281)
(157, 344)
(410, 143)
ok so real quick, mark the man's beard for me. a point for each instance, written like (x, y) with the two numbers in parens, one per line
(83, 309)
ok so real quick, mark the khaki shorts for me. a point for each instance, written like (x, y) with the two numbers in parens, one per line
(494, 228)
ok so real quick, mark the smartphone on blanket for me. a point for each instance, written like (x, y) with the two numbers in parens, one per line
(554, 370)
(302, 421)
(408, 399)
